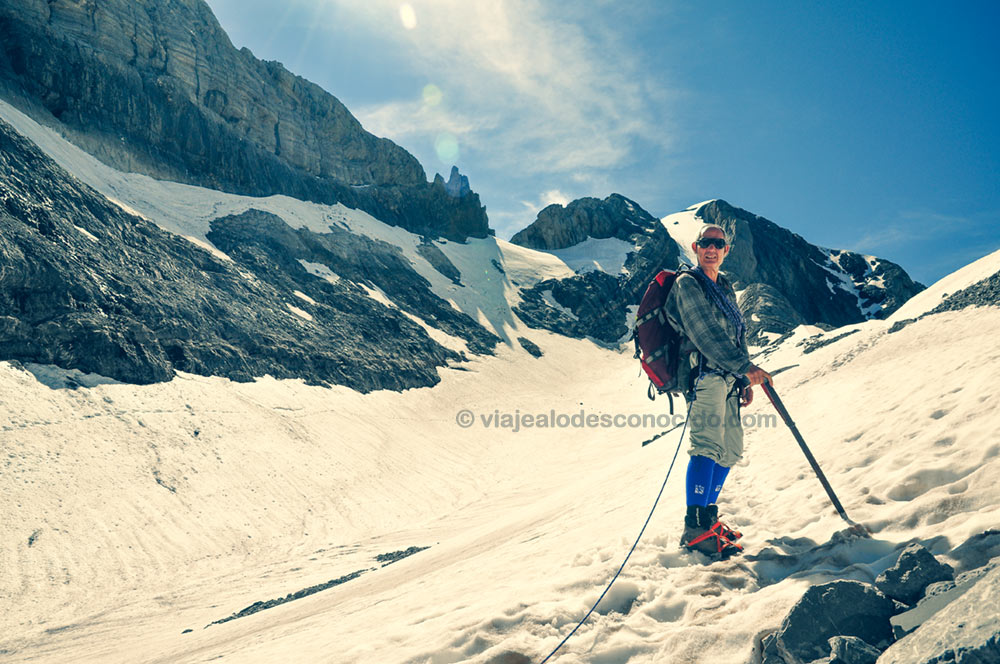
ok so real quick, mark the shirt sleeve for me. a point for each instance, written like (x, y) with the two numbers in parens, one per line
(694, 316)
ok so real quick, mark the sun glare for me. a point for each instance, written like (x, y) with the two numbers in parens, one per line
(407, 16)
(446, 147)
(432, 94)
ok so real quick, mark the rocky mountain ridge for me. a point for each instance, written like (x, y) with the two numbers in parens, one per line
(783, 280)
(789, 281)
(158, 88)
(88, 286)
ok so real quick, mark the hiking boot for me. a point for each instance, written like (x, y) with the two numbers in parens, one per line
(704, 536)
(727, 532)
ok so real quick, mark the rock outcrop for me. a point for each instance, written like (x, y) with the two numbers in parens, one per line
(158, 88)
(87, 286)
(594, 304)
(821, 286)
(838, 608)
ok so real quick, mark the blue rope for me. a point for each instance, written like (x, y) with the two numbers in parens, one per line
(624, 562)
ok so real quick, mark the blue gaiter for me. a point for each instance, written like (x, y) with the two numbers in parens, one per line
(700, 477)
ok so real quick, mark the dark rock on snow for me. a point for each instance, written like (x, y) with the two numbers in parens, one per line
(839, 608)
(983, 293)
(530, 346)
(852, 650)
(433, 255)
(915, 569)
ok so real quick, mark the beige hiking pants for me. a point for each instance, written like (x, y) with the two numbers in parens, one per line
(714, 424)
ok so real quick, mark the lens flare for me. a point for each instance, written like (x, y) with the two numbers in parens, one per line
(446, 146)
(432, 94)
(407, 16)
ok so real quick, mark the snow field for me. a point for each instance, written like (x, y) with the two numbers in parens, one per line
(525, 528)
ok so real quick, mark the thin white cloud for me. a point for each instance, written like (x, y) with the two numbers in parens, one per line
(520, 82)
(554, 196)
(547, 198)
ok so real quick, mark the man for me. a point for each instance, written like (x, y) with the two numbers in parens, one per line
(715, 367)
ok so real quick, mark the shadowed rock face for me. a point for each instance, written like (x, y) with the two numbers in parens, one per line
(766, 309)
(84, 285)
(158, 88)
(805, 282)
(594, 304)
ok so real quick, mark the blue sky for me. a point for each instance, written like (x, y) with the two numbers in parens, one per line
(858, 125)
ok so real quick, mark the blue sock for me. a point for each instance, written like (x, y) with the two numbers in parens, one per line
(700, 475)
(718, 479)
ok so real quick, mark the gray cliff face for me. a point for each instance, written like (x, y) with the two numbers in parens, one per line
(86, 286)
(594, 304)
(806, 284)
(158, 88)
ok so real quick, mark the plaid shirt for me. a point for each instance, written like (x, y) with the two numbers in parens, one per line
(704, 327)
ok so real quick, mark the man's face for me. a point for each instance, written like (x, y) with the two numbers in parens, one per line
(711, 257)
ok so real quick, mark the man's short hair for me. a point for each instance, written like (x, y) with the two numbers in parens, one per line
(708, 227)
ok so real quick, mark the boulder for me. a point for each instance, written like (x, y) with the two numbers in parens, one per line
(964, 632)
(838, 608)
(936, 597)
(530, 346)
(851, 650)
(915, 569)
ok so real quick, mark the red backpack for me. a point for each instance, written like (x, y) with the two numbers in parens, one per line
(657, 343)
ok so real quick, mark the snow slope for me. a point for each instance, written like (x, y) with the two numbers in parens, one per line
(132, 514)
(683, 228)
(926, 300)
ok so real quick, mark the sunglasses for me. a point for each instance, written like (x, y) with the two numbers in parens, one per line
(717, 242)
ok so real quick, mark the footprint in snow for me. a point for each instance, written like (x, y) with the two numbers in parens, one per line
(923, 481)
